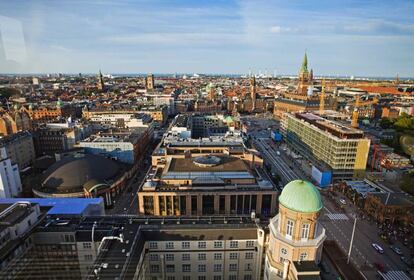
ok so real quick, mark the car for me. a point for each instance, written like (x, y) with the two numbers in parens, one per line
(378, 248)
(342, 201)
(278, 153)
(396, 250)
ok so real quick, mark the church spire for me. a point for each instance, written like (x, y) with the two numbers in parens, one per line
(304, 67)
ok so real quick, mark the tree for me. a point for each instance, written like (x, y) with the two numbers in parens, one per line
(407, 182)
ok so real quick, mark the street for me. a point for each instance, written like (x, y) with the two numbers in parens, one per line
(338, 221)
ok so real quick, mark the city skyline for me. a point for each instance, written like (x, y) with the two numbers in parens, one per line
(359, 38)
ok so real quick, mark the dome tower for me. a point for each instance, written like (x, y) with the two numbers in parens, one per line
(295, 234)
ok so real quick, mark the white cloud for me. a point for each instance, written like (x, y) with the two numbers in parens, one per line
(275, 29)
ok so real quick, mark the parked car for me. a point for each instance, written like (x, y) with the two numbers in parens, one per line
(342, 201)
(396, 250)
(378, 248)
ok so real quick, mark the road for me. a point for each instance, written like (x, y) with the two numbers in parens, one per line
(127, 201)
(338, 222)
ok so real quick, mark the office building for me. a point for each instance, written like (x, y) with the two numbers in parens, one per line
(10, 183)
(327, 144)
(124, 145)
(19, 147)
(212, 175)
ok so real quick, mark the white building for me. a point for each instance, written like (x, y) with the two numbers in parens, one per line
(10, 183)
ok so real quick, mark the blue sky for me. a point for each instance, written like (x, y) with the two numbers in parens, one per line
(373, 38)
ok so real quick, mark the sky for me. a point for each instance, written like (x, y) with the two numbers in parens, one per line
(360, 38)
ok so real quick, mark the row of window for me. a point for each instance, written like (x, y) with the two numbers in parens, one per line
(201, 244)
(201, 256)
(203, 277)
(171, 268)
(290, 226)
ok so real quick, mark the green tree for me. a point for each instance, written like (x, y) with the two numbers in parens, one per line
(407, 182)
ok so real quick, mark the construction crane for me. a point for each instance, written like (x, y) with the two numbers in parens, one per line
(354, 122)
(322, 99)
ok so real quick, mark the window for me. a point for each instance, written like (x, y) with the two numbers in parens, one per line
(170, 268)
(169, 257)
(87, 245)
(249, 255)
(186, 268)
(154, 268)
(233, 266)
(218, 256)
(249, 243)
(303, 256)
(289, 228)
(201, 277)
(88, 257)
(218, 267)
(153, 245)
(153, 257)
(234, 244)
(233, 256)
(202, 257)
(169, 245)
(218, 244)
(232, 277)
(185, 257)
(202, 244)
(248, 277)
(201, 268)
(248, 267)
(185, 245)
(283, 251)
(186, 277)
(305, 231)
(170, 277)
(217, 277)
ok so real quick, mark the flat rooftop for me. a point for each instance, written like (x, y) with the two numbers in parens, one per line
(188, 165)
(332, 127)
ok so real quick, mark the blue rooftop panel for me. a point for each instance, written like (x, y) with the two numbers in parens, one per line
(62, 206)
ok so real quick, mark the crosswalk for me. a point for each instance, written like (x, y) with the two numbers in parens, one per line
(337, 216)
(394, 275)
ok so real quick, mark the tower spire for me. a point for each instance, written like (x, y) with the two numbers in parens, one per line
(304, 67)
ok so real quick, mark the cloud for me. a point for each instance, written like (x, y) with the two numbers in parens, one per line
(275, 29)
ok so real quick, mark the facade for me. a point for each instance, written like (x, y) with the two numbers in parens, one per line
(19, 148)
(390, 208)
(126, 120)
(219, 248)
(149, 82)
(296, 238)
(14, 121)
(49, 113)
(124, 145)
(10, 183)
(341, 148)
(205, 176)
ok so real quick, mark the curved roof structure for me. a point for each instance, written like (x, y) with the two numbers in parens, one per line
(74, 173)
(301, 196)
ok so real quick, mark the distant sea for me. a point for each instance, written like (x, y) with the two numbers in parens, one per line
(189, 75)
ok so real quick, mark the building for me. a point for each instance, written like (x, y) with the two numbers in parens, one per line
(124, 145)
(296, 237)
(210, 175)
(19, 148)
(57, 138)
(82, 175)
(14, 121)
(390, 208)
(225, 247)
(101, 84)
(125, 120)
(49, 113)
(327, 144)
(149, 82)
(304, 98)
(10, 183)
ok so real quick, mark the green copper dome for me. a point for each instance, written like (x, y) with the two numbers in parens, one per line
(301, 196)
